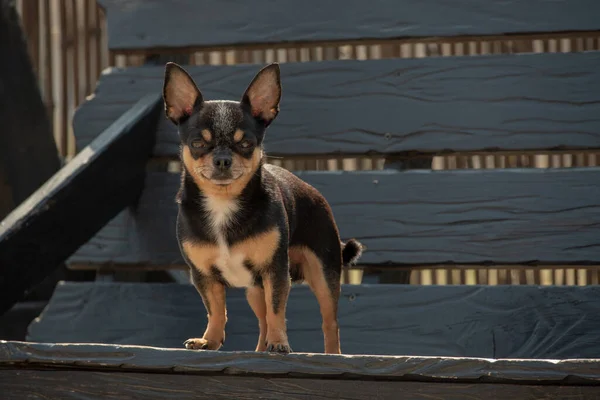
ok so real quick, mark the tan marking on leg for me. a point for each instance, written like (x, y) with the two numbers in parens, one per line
(259, 249)
(202, 257)
(213, 297)
(277, 340)
(256, 298)
(296, 255)
(238, 135)
(312, 268)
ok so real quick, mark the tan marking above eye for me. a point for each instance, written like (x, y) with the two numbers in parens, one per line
(238, 135)
(206, 135)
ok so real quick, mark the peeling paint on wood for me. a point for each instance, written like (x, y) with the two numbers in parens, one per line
(450, 321)
(524, 216)
(508, 102)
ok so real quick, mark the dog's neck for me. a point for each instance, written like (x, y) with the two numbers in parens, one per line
(221, 211)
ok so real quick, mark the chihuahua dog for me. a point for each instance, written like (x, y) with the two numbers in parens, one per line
(245, 223)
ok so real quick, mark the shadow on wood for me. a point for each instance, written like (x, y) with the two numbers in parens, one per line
(451, 321)
(134, 25)
(517, 216)
(81, 385)
(442, 103)
(105, 177)
(28, 155)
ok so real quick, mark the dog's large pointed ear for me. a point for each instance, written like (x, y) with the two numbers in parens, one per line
(180, 93)
(264, 93)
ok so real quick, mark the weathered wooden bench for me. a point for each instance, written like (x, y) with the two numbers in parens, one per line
(428, 341)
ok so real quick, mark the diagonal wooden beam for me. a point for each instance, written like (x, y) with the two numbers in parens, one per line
(65, 212)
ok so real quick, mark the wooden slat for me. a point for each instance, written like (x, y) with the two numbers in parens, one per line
(447, 321)
(525, 102)
(23, 384)
(142, 25)
(75, 203)
(413, 217)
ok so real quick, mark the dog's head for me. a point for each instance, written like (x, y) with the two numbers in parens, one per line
(221, 141)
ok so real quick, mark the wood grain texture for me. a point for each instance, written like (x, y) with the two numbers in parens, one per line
(366, 367)
(521, 216)
(75, 203)
(511, 102)
(469, 321)
(20, 384)
(159, 24)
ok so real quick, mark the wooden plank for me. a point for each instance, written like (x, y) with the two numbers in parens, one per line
(57, 384)
(28, 155)
(128, 358)
(76, 202)
(515, 216)
(141, 25)
(470, 321)
(523, 102)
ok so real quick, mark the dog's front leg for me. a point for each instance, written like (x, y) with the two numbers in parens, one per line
(213, 297)
(276, 282)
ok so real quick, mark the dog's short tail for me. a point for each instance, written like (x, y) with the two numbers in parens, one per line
(351, 252)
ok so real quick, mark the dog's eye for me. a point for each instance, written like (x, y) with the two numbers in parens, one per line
(198, 144)
(245, 144)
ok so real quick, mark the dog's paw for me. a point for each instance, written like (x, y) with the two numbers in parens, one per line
(201, 344)
(279, 348)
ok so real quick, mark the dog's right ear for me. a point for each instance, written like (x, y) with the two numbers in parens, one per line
(180, 94)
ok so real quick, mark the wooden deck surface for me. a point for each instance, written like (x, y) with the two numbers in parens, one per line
(86, 371)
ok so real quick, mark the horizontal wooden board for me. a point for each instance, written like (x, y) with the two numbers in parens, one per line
(191, 23)
(446, 321)
(21, 384)
(511, 102)
(516, 216)
(76, 202)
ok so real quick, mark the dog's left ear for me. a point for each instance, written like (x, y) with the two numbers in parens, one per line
(264, 93)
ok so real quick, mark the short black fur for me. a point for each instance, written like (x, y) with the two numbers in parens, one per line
(270, 198)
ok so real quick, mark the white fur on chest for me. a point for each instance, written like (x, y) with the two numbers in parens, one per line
(230, 263)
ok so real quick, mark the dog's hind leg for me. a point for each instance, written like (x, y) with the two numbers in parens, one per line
(324, 281)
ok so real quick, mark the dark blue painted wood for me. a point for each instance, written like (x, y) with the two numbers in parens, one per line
(448, 321)
(151, 24)
(414, 218)
(76, 202)
(510, 102)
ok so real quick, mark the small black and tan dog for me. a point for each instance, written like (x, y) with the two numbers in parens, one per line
(245, 223)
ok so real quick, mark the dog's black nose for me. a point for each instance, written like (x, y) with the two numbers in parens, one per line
(222, 162)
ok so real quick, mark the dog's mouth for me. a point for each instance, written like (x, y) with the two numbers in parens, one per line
(222, 182)
(223, 178)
